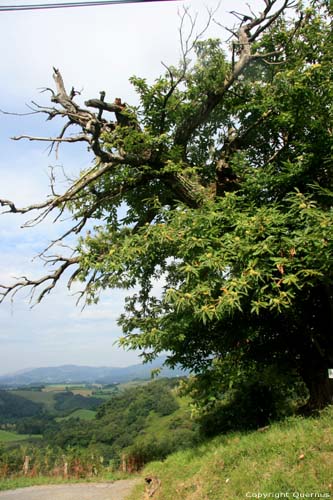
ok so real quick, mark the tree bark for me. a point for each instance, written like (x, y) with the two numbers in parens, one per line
(320, 389)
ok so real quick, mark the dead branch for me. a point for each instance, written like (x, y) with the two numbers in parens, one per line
(77, 138)
(47, 282)
(105, 106)
(247, 33)
(18, 114)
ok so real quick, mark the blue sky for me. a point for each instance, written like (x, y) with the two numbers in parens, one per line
(95, 49)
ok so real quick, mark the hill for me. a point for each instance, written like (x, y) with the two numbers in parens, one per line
(69, 374)
(143, 423)
(13, 406)
(291, 459)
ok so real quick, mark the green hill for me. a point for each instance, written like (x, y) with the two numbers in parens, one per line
(13, 406)
(46, 399)
(292, 459)
(142, 423)
(54, 402)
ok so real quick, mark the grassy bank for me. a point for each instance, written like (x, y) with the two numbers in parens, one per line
(292, 459)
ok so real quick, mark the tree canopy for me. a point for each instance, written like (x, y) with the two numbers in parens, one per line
(225, 173)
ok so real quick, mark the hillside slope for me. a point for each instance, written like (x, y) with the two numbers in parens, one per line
(293, 459)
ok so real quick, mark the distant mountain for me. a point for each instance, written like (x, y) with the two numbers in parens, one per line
(72, 374)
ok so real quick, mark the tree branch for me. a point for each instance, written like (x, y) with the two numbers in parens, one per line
(77, 138)
(245, 39)
(48, 281)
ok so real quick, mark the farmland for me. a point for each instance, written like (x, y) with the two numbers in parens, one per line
(13, 437)
(81, 414)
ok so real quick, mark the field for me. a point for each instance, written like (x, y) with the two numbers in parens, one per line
(75, 389)
(81, 414)
(12, 437)
(45, 398)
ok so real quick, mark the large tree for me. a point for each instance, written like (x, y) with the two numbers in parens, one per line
(225, 173)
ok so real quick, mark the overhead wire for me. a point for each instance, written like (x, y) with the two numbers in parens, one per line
(63, 5)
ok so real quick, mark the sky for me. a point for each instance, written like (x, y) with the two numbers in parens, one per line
(95, 48)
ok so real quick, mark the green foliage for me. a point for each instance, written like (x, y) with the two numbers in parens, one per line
(255, 398)
(67, 401)
(33, 425)
(248, 275)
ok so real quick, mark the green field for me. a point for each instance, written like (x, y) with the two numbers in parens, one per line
(81, 414)
(11, 437)
(45, 398)
(74, 388)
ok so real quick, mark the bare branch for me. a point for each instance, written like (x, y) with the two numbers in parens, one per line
(76, 138)
(47, 282)
(18, 114)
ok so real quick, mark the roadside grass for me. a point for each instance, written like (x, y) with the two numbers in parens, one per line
(294, 456)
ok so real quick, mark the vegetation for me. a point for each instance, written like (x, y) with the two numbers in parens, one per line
(67, 401)
(13, 437)
(135, 425)
(80, 414)
(227, 181)
(13, 406)
(290, 457)
(46, 399)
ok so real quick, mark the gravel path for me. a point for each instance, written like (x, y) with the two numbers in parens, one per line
(81, 491)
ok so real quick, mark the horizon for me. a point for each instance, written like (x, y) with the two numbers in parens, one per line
(27, 369)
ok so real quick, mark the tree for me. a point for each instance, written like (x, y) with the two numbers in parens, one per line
(226, 173)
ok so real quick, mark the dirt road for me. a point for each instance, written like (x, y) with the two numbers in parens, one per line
(82, 491)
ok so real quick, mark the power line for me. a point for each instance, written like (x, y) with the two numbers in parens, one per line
(42, 6)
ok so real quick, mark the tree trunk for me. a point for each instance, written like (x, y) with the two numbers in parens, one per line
(317, 352)
(319, 385)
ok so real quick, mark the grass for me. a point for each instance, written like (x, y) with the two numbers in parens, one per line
(81, 414)
(11, 437)
(295, 456)
(159, 426)
(45, 398)
(74, 388)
